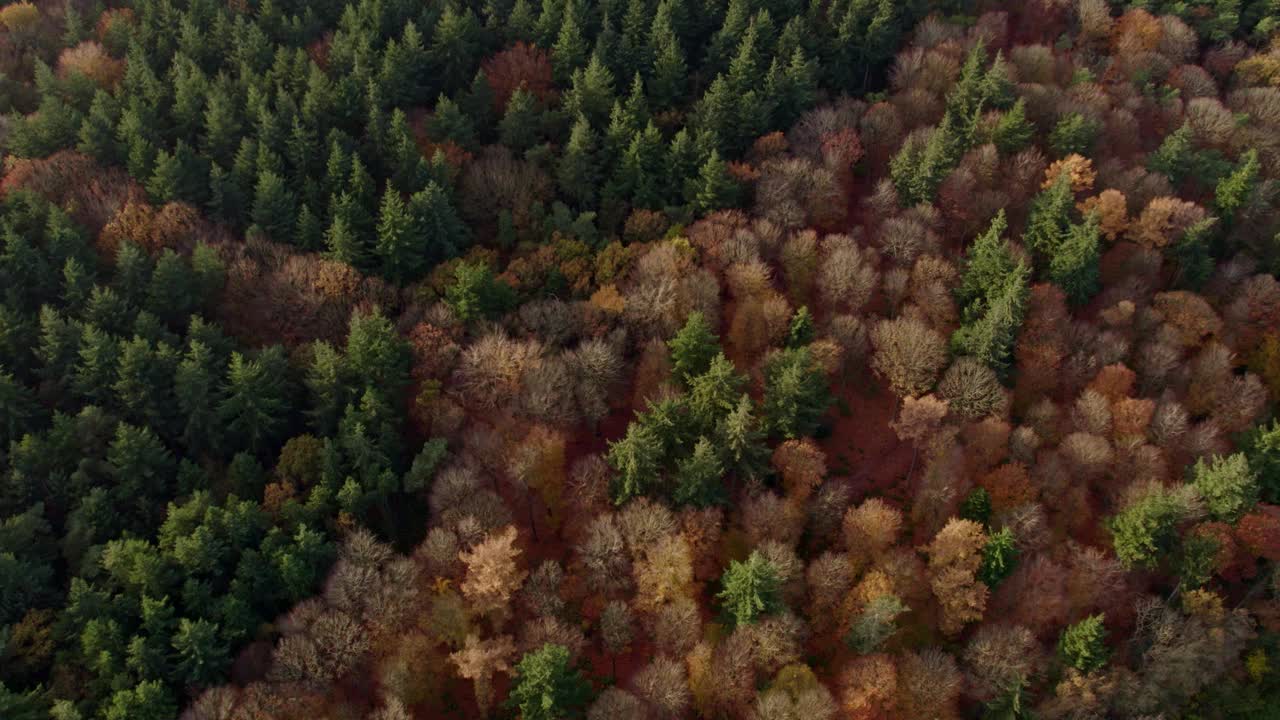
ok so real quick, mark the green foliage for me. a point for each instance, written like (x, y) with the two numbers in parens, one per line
(750, 589)
(1233, 191)
(1049, 222)
(693, 347)
(476, 293)
(699, 477)
(547, 687)
(875, 624)
(999, 557)
(1175, 156)
(987, 262)
(1013, 132)
(1261, 446)
(742, 440)
(976, 506)
(637, 460)
(1083, 645)
(1147, 528)
(991, 326)
(795, 394)
(801, 331)
(1074, 133)
(1227, 484)
(1074, 265)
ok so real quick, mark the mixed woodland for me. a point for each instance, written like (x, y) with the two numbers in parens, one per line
(639, 359)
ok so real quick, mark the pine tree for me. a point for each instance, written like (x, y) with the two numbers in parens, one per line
(716, 187)
(376, 356)
(1013, 132)
(570, 49)
(398, 247)
(591, 92)
(518, 129)
(273, 207)
(991, 328)
(202, 655)
(999, 557)
(750, 589)
(547, 687)
(637, 459)
(683, 167)
(801, 332)
(344, 244)
(698, 477)
(222, 129)
(713, 393)
(693, 348)
(640, 174)
(95, 371)
(670, 73)
(1074, 265)
(1175, 156)
(1083, 645)
(718, 112)
(1074, 134)
(254, 409)
(449, 123)
(1233, 191)
(577, 173)
(633, 55)
(795, 394)
(920, 166)
(309, 233)
(455, 47)
(97, 137)
(196, 391)
(169, 294)
(409, 171)
(986, 263)
(438, 230)
(1049, 222)
(1227, 484)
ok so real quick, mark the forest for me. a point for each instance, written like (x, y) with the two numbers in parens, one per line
(639, 359)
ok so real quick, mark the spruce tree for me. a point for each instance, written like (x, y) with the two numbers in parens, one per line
(591, 92)
(1083, 645)
(570, 49)
(273, 207)
(546, 686)
(716, 187)
(1049, 222)
(989, 331)
(698, 477)
(1013, 131)
(518, 129)
(693, 348)
(795, 394)
(437, 229)
(344, 244)
(750, 589)
(999, 557)
(398, 247)
(636, 460)
(577, 173)
(1234, 190)
(1074, 265)
(986, 263)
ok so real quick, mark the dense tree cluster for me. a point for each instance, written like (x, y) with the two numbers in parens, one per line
(639, 359)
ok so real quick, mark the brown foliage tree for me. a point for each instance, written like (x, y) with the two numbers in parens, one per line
(521, 65)
(954, 557)
(908, 354)
(492, 573)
